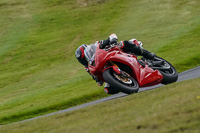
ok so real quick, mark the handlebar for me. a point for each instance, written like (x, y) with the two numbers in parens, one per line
(108, 47)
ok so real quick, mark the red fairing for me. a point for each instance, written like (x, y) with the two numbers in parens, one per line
(145, 76)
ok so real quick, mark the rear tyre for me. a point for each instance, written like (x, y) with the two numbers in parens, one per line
(169, 75)
(130, 86)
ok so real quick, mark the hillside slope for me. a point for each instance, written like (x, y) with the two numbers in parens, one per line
(38, 71)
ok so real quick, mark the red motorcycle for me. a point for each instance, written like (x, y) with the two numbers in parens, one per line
(125, 73)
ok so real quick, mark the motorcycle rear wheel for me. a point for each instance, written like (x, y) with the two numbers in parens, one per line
(130, 86)
(170, 75)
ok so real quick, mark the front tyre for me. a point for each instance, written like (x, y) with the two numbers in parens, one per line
(127, 86)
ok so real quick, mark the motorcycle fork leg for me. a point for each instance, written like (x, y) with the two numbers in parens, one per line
(118, 71)
(116, 68)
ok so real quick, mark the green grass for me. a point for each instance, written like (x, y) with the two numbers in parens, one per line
(38, 71)
(172, 108)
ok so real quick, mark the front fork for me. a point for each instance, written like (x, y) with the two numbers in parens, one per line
(122, 74)
(116, 68)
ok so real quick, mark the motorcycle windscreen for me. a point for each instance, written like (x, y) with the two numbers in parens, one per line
(90, 53)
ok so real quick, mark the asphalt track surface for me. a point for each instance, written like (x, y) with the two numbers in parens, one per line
(190, 74)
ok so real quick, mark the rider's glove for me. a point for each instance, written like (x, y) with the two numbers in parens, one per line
(113, 38)
(104, 43)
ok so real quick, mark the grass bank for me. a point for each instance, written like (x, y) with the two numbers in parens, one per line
(38, 71)
(172, 108)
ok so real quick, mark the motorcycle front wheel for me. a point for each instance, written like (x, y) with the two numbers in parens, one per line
(128, 85)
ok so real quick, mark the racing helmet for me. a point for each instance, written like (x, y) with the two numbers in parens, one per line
(80, 56)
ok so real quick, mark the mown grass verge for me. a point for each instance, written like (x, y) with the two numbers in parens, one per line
(172, 108)
(52, 108)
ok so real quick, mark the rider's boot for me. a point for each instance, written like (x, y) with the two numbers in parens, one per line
(109, 90)
(99, 83)
(148, 55)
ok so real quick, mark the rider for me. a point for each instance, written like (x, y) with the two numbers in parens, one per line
(85, 52)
